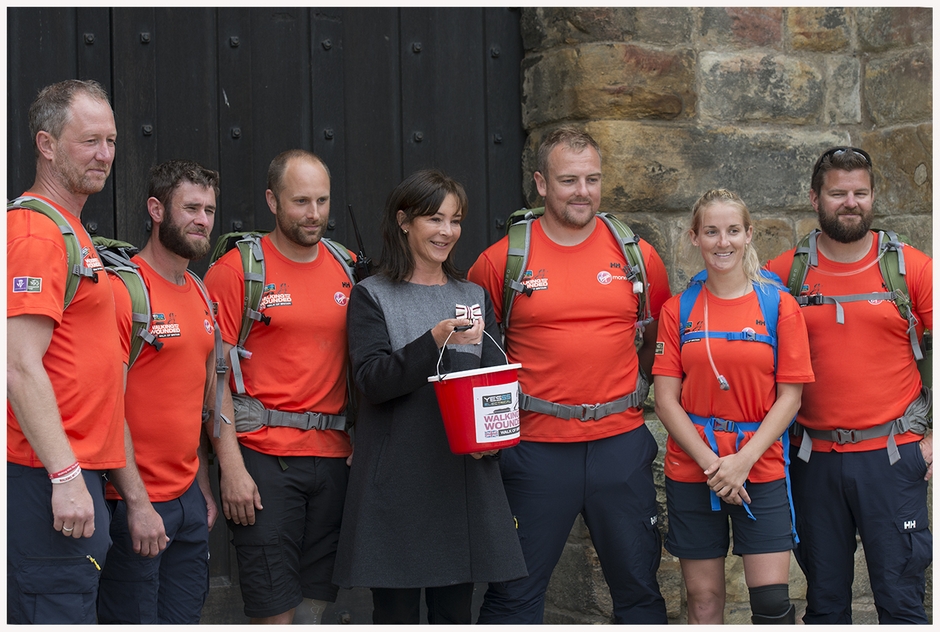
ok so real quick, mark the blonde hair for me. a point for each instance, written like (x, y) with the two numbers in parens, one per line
(751, 262)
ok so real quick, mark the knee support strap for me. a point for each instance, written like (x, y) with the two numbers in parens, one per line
(770, 602)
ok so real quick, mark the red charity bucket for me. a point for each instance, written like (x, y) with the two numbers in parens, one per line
(480, 408)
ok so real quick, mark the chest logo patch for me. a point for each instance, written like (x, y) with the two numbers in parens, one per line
(533, 282)
(341, 299)
(165, 326)
(275, 298)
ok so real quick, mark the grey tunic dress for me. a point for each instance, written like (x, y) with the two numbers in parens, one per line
(416, 514)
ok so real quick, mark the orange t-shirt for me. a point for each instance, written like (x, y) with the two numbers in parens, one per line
(748, 367)
(83, 360)
(865, 369)
(574, 336)
(298, 362)
(166, 430)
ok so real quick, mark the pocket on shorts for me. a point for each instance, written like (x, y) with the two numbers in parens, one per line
(916, 529)
(58, 589)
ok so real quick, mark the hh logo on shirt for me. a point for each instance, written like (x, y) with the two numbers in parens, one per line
(27, 284)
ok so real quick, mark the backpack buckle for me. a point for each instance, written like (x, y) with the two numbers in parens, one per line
(843, 436)
(815, 299)
(588, 412)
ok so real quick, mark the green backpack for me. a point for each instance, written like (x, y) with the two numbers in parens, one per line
(893, 271)
(76, 263)
(252, 258)
(519, 229)
(116, 257)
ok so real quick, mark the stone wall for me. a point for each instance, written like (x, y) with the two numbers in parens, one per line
(682, 100)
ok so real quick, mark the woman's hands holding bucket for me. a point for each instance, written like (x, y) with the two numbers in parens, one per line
(450, 331)
(480, 455)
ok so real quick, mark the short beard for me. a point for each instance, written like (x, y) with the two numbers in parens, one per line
(172, 238)
(837, 231)
(293, 232)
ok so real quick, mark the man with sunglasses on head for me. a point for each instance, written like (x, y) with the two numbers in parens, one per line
(862, 451)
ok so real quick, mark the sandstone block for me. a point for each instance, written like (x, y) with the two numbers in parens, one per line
(598, 81)
(882, 28)
(664, 25)
(655, 169)
(545, 27)
(757, 87)
(843, 90)
(903, 165)
(818, 28)
(741, 27)
(898, 88)
(771, 237)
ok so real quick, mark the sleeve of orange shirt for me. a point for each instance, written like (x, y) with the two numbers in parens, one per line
(37, 266)
(793, 357)
(488, 271)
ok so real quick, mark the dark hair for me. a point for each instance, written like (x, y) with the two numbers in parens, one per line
(166, 177)
(51, 109)
(843, 159)
(279, 165)
(420, 194)
(573, 138)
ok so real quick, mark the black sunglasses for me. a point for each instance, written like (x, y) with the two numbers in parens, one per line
(836, 151)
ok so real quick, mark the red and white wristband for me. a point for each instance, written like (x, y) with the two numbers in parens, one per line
(64, 476)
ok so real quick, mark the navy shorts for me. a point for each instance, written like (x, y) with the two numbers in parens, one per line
(288, 554)
(698, 533)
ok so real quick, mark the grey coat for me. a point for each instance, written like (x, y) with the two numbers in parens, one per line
(417, 515)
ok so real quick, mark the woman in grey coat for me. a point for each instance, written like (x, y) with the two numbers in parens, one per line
(418, 516)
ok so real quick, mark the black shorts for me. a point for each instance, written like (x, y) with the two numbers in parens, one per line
(698, 533)
(288, 554)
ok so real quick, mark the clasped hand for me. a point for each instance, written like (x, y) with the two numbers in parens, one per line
(726, 477)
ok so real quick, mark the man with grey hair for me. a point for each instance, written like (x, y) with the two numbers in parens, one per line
(65, 416)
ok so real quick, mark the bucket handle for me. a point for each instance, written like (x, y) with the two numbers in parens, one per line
(441, 356)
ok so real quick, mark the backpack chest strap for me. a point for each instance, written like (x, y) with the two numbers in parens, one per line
(819, 299)
(748, 336)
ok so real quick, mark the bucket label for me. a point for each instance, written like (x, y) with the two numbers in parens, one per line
(496, 412)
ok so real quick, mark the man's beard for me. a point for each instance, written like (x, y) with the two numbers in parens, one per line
(294, 232)
(845, 233)
(174, 239)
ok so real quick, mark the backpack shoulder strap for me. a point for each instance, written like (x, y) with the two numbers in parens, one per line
(221, 368)
(687, 301)
(252, 258)
(894, 273)
(76, 264)
(141, 312)
(519, 231)
(636, 271)
(341, 254)
(804, 256)
(768, 297)
(116, 256)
